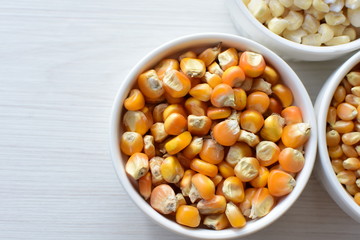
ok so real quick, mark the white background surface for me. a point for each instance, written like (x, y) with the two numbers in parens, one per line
(61, 63)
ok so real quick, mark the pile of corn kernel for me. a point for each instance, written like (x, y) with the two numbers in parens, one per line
(309, 22)
(213, 137)
(343, 133)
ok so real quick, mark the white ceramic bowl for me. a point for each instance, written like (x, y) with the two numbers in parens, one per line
(198, 41)
(250, 27)
(324, 169)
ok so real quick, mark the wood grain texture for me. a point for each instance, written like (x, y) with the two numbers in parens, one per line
(61, 64)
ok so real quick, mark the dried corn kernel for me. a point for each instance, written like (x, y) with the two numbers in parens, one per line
(188, 216)
(137, 165)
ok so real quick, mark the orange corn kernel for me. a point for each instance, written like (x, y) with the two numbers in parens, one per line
(261, 179)
(158, 132)
(188, 216)
(145, 186)
(171, 170)
(346, 177)
(233, 189)
(245, 206)
(203, 167)
(219, 188)
(352, 189)
(267, 153)
(346, 111)
(215, 68)
(251, 120)
(176, 83)
(262, 202)
(237, 152)
(273, 128)
(342, 126)
(172, 100)
(149, 147)
(155, 100)
(351, 138)
(247, 169)
(217, 221)
(215, 113)
(280, 183)
(215, 205)
(204, 186)
(340, 94)
(347, 85)
(291, 160)
(233, 76)
(188, 54)
(252, 63)
(163, 199)
(223, 96)
(353, 100)
(165, 65)
(174, 108)
(357, 198)
(226, 132)
(178, 143)
(352, 163)
(331, 116)
(212, 152)
(228, 58)
(335, 152)
(131, 142)
(158, 112)
(258, 101)
(217, 179)
(284, 94)
(198, 125)
(226, 170)
(354, 90)
(271, 75)
(185, 182)
(136, 121)
(148, 114)
(201, 92)
(209, 55)
(274, 107)
(150, 85)
(193, 148)
(212, 79)
(155, 164)
(135, 100)
(185, 162)
(332, 138)
(249, 138)
(292, 115)
(234, 215)
(193, 67)
(349, 151)
(240, 99)
(175, 124)
(195, 107)
(295, 135)
(137, 165)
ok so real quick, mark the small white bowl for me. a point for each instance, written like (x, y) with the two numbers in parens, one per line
(324, 169)
(249, 26)
(201, 41)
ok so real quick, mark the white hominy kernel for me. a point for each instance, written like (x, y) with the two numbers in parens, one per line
(338, 40)
(350, 31)
(338, 30)
(317, 14)
(326, 32)
(277, 25)
(321, 6)
(333, 18)
(286, 3)
(276, 8)
(354, 16)
(259, 10)
(353, 4)
(303, 4)
(295, 35)
(310, 24)
(295, 20)
(312, 39)
(337, 6)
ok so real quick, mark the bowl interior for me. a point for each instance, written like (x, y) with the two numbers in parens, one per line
(197, 42)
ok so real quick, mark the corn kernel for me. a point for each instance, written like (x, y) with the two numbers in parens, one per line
(237, 152)
(150, 85)
(178, 143)
(320, 6)
(294, 19)
(158, 132)
(198, 125)
(233, 189)
(163, 199)
(217, 221)
(247, 169)
(165, 65)
(228, 58)
(276, 8)
(267, 153)
(193, 67)
(185, 182)
(326, 32)
(234, 215)
(215, 205)
(252, 63)
(259, 10)
(295, 135)
(294, 35)
(176, 83)
(226, 132)
(137, 165)
(277, 25)
(303, 4)
(209, 55)
(346, 177)
(188, 216)
(352, 163)
(204, 186)
(215, 68)
(249, 138)
(338, 40)
(175, 124)
(203, 167)
(193, 148)
(251, 120)
(145, 186)
(212, 152)
(280, 183)
(201, 92)
(149, 147)
(261, 204)
(354, 16)
(171, 170)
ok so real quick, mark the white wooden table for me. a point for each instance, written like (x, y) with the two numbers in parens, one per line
(61, 63)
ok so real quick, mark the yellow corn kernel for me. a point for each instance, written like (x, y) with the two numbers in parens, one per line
(185, 183)
(273, 128)
(158, 112)
(158, 132)
(253, 64)
(198, 125)
(353, 78)
(131, 142)
(346, 177)
(233, 189)
(335, 152)
(174, 108)
(212, 79)
(249, 138)
(284, 94)
(234, 215)
(267, 153)
(180, 200)
(176, 83)
(155, 165)
(171, 170)
(352, 189)
(346, 111)
(201, 92)
(342, 126)
(150, 85)
(251, 120)
(349, 151)
(226, 132)
(188, 54)
(175, 124)
(137, 165)
(135, 101)
(193, 148)
(203, 167)
(355, 91)
(195, 107)
(245, 206)
(270, 75)
(145, 186)
(280, 183)
(149, 147)
(215, 113)
(353, 100)
(223, 96)
(247, 169)
(209, 55)
(228, 58)
(352, 163)
(237, 152)
(261, 204)
(295, 135)
(165, 65)
(215, 68)
(136, 121)
(332, 138)
(212, 152)
(215, 205)
(178, 143)
(163, 199)
(261, 179)
(217, 179)
(351, 138)
(259, 10)
(188, 216)
(204, 186)
(216, 221)
(225, 169)
(193, 67)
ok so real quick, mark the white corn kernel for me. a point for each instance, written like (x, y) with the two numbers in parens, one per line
(277, 25)
(317, 14)
(276, 8)
(326, 32)
(321, 6)
(303, 4)
(329, 1)
(295, 20)
(338, 30)
(259, 10)
(338, 40)
(312, 39)
(354, 16)
(310, 24)
(294, 36)
(353, 4)
(333, 18)
(286, 3)
(337, 6)
(295, 8)
(351, 32)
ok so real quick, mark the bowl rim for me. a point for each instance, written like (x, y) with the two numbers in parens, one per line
(146, 208)
(332, 185)
(347, 47)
